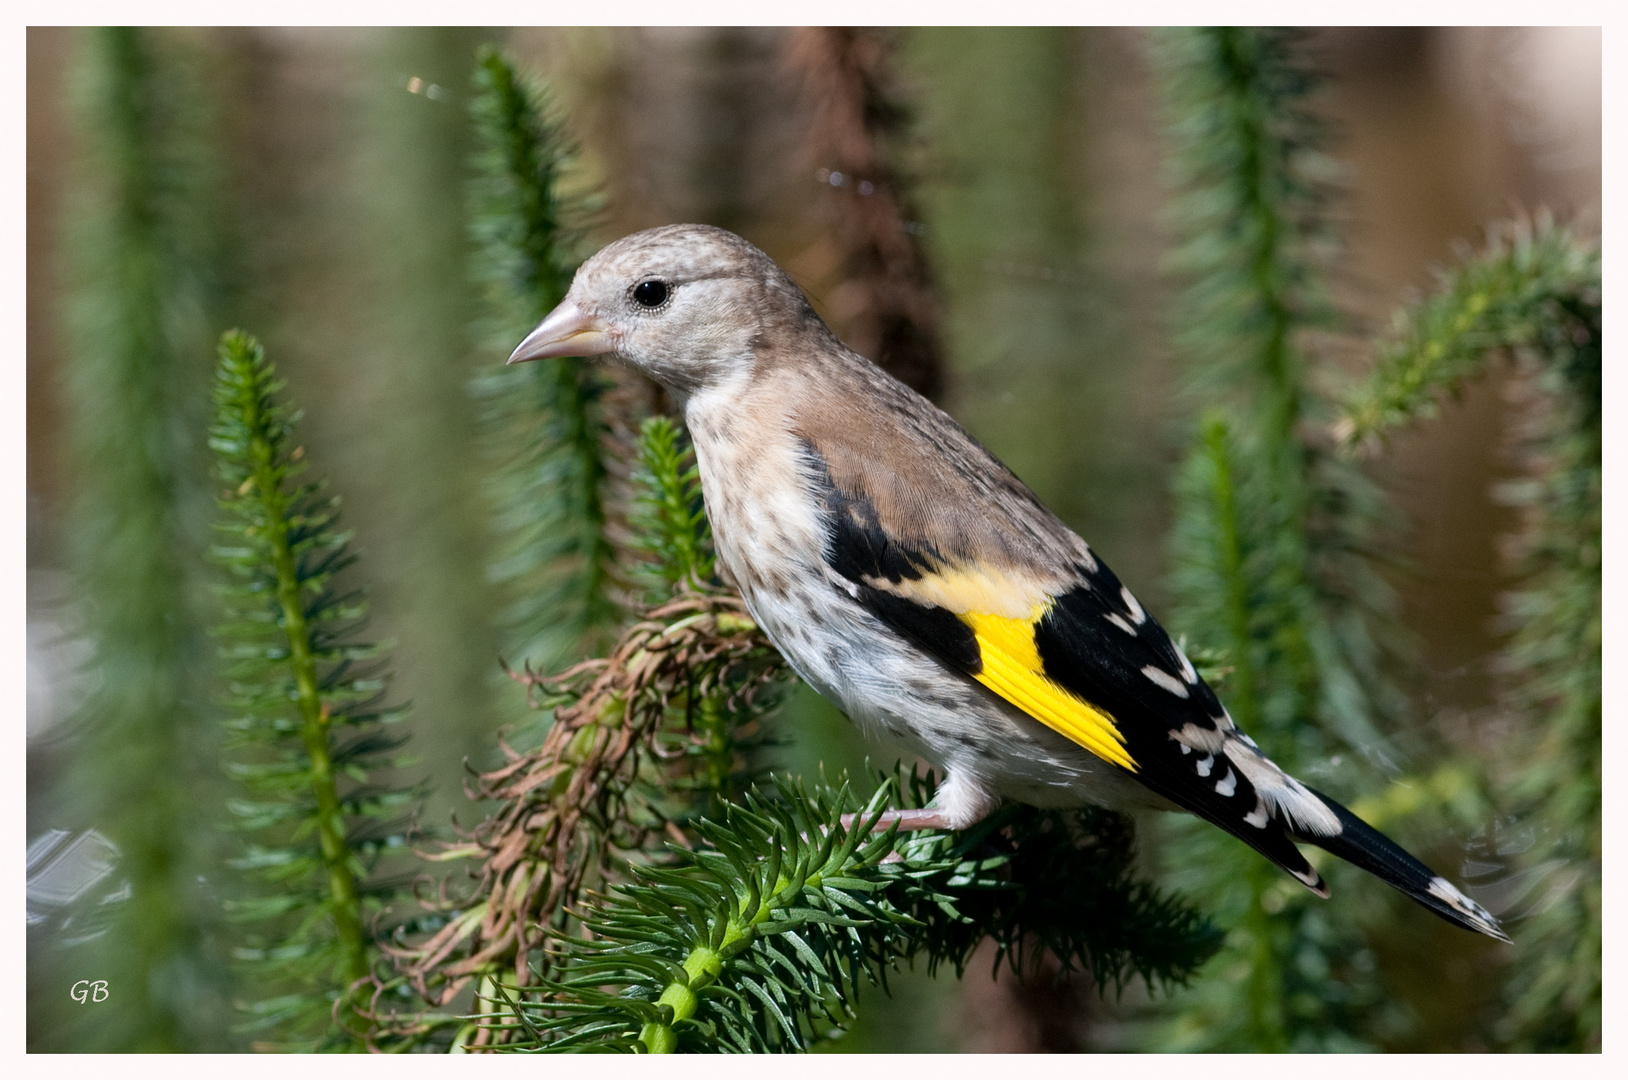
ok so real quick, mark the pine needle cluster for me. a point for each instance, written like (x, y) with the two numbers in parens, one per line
(309, 734)
(755, 943)
(763, 938)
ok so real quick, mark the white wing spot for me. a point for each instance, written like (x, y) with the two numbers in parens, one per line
(1165, 681)
(1187, 671)
(1199, 738)
(1225, 786)
(1257, 817)
(1204, 764)
(1138, 616)
(1119, 621)
(1185, 749)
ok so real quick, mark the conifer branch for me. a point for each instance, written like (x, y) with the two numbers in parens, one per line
(1534, 288)
(763, 926)
(762, 939)
(308, 731)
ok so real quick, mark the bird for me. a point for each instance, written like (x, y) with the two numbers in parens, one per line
(911, 578)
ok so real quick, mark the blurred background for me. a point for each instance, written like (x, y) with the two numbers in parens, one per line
(1031, 167)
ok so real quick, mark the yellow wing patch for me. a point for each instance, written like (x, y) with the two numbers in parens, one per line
(972, 588)
(1012, 668)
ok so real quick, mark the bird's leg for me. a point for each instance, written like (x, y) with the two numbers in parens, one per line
(961, 803)
(908, 820)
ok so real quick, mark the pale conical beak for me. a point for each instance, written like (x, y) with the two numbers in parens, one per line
(566, 331)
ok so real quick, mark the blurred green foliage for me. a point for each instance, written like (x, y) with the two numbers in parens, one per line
(1278, 541)
(1534, 292)
(145, 246)
(1268, 529)
(414, 489)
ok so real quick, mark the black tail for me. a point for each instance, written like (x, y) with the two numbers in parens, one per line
(1362, 845)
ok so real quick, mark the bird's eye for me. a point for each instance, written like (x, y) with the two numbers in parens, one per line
(651, 294)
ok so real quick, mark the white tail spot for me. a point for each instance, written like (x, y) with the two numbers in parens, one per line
(1312, 882)
(1285, 796)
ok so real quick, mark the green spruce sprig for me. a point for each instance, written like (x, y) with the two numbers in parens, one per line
(753, 944)
(668, 520)
(543, 422)
(308, 732)
(1534, 289)
(763, 939)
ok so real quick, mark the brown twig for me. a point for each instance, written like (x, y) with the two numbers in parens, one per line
(580, 806)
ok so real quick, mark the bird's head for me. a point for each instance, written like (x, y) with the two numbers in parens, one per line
(688, 305)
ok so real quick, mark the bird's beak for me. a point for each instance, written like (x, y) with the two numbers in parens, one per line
(566, 331)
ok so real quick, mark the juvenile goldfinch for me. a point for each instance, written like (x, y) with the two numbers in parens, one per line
(909, 577)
